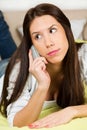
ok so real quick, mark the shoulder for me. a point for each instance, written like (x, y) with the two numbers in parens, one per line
(82, 55)
(85, 91)
(82, 50)
(15, 71)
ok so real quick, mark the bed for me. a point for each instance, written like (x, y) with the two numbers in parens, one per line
(78, 123)
(78, 19)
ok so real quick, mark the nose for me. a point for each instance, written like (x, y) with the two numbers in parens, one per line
(48, 41)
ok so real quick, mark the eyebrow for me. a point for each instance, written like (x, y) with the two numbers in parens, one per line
(48, 29)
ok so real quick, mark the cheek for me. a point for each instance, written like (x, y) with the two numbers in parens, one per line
(41, 52)
(66, 46)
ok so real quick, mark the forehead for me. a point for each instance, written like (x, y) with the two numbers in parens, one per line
(42, 21)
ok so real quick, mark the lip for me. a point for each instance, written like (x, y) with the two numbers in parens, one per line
(51, 53)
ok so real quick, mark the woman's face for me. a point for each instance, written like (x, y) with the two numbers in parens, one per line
(49, 38)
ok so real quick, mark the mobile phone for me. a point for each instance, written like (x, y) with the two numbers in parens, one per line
(35, 53)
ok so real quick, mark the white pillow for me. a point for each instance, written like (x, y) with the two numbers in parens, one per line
(77, 26)
(20, 30)
(85, 32)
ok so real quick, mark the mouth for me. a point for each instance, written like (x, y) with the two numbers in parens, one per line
(54, 52)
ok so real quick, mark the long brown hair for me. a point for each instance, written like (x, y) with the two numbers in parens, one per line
(70, 91)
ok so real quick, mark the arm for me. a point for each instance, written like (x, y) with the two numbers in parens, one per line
(81, 110)
(20, 112)
(61, 117)
(29, 113)
(32, 110)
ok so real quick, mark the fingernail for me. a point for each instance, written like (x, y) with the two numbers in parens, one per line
(47, 126)
(30, 125)
(33, 126)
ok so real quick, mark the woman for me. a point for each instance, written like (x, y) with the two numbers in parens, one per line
(53, 77)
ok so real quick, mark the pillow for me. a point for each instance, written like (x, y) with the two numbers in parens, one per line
(77, 26)
(85, 32)
(20, 31)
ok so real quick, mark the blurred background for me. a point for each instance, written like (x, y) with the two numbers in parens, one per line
(14, 12)
(25, 4)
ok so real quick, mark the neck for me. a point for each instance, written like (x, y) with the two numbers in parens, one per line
(56, 73)
(54, 69)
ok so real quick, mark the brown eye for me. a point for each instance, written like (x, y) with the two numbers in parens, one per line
(53, 30)
(38, 36)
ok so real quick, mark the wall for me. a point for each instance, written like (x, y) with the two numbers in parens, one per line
(26, 4)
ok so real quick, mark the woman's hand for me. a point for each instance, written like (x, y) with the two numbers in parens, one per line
(57, 118)
(38, 69)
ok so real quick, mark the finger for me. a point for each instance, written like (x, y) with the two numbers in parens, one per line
(40, 64)
(41, 123)
(44, 60)
(40, 59)
(47, 122)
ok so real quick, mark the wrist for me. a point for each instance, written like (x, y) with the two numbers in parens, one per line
(42, 93)
(73, 111)
(43, 86)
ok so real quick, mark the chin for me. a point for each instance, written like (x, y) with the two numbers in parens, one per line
(55, 60)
